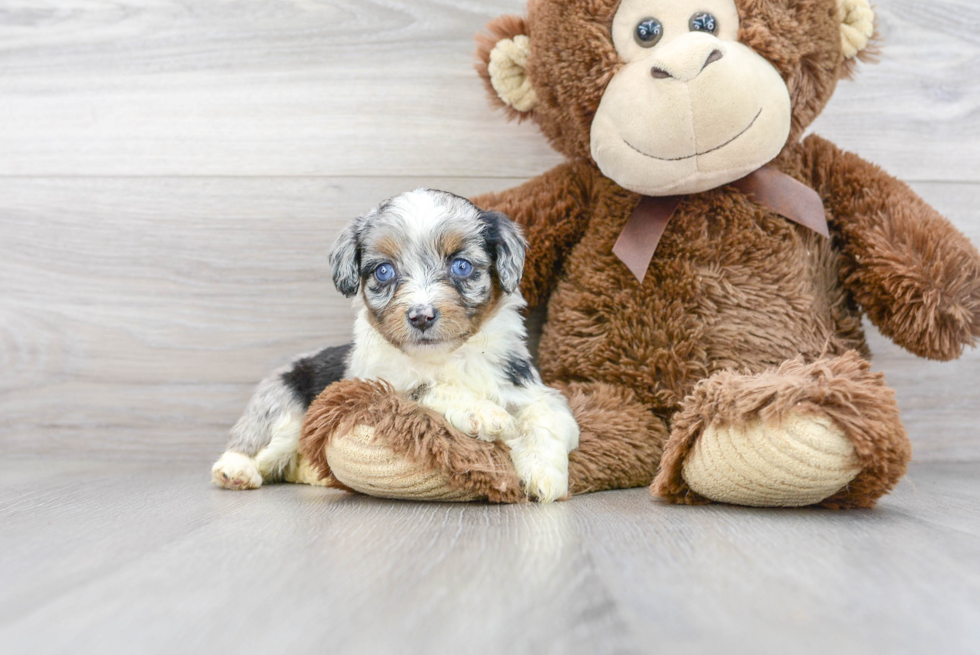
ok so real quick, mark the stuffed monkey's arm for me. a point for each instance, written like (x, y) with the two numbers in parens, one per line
(915, 275)
(553, 210)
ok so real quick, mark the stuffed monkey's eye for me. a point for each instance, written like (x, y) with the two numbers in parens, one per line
(704, 22)
(648, 32)
(461, 268)
(384, 273)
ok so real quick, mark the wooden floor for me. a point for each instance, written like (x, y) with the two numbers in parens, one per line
(139, 558)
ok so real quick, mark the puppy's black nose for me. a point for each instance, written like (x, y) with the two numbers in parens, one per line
(422, 316)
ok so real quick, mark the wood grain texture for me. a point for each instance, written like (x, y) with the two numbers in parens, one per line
(136, 315)
(123, 558)
(360, 87)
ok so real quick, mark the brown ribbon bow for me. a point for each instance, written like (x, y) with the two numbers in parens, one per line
(769, 187)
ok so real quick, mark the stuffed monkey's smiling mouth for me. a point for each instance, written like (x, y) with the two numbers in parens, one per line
(698, 154)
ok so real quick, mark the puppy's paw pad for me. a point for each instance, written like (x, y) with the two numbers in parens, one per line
(236, 471)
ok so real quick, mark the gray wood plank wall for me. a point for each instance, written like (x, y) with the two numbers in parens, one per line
(172, 173)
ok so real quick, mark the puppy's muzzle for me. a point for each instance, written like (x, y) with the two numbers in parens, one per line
(422, 317)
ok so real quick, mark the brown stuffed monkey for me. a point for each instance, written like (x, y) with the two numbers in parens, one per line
(705, 269)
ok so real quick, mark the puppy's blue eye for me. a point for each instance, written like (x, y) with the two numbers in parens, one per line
(461, 268)
(384, 272)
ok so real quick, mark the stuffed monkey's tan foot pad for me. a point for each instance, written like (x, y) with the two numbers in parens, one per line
(798, 461)
(369, 466)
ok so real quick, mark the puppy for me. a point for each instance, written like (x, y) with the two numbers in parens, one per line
(435, 282)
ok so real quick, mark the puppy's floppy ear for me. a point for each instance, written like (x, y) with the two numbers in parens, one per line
(507, 247)
(345, 258)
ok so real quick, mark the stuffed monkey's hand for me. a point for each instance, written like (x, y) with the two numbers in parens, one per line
(915, 275)
(918, 280)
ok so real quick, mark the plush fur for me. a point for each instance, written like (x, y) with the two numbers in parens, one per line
(448, 340)
(841, 388)
(471, 363)
(619, 445)
(416, 432)
(742, 313)
(264, 441)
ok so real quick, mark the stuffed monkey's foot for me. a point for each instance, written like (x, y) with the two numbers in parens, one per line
(369, 465)
(236, 471)
(826, 432)
(369, 439)
(798, 461)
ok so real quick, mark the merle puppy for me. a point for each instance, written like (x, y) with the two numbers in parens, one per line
(435, 286)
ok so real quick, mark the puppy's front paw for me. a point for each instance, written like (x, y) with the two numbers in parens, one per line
(485, 420)
(236, 471)
(541, 479)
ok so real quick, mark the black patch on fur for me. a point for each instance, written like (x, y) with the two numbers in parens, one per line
(460, 286)
(506, 246)
(519, 371)
(419, 391)
(311, 375)
(491, 231)
(463, 287)
(345, 287)
(346, 273)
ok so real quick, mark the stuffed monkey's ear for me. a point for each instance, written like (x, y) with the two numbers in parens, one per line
(502, 63)
(857, 26)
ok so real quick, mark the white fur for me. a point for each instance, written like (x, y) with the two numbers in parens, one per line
(470, 387)
(236, 471)
(269, 428)
(279, 457)
(546, 433)
(469, 384)
(426, 210)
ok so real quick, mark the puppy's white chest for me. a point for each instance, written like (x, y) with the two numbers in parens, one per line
(407, 373)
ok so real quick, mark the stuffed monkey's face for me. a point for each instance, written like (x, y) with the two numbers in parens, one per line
(691, 109)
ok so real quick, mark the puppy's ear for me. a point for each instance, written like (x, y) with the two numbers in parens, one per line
(507, 247)
(345, 259)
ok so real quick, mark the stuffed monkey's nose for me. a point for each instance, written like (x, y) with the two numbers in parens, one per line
(422, 316)
(686, 57)
(712, 58)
